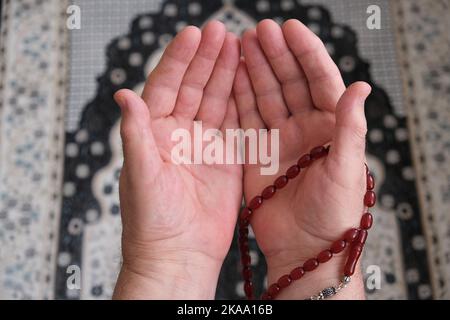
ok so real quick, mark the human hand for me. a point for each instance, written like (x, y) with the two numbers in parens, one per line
(178, 220)
(289, 82)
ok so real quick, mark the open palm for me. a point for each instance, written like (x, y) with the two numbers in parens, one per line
(180, 208)
(289, 82)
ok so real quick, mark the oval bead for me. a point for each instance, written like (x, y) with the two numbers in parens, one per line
(268, 192)
(304, 161)
(310, 264)
(297, 273)
(243, 246)
(243, 232)
(352, 261)
(284, 281)
(246, 259)
(338, 246)
(370, 182)
(281, 182)
(351, 235)
(243, 223)
(248, 288)
(245, 214)
(366, 221)
(266, 296)
(255, 203)
(324, 256)
(273, 290)
(293, 171)
(243, 241)
(318, 152)
(362, 237)
(247, 273)
(369, 199)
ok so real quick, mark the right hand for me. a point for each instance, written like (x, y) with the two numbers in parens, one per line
(178, 220)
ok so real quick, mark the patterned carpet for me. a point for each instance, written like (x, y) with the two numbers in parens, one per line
(60, 153)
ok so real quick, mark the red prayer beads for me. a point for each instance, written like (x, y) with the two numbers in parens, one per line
(370, 182)
(369, 199)
(293, 171)
(351, 235)
(324, 256)
(354, 239)
(353, 257)
(318, 152)
(268, 192)
(304, 161)
(284, 281)
(310, 264)
(245, 214)
(281, 182)
(297, 273)
(338, 246)
(366, 221)
(255, 203)
(273, 290)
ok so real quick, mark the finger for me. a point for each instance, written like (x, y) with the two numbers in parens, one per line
(285, 66)
(218, 90)
(138, 142)
(249, 116)
(199, 71)
(162, 86)
(268, 92)
(347, 151)
(324, 78)
(231, 120)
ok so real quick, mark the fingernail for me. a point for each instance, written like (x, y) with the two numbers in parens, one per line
(368, 90)
(121, 101)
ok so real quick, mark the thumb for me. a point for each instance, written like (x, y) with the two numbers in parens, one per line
(347, 152)
(138, 143)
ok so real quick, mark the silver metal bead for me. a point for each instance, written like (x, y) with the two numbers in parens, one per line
(328, 292)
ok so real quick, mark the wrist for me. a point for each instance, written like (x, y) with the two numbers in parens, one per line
(168, 275)
(326, 275)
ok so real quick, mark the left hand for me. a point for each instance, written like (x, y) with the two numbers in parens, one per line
(289, 82)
